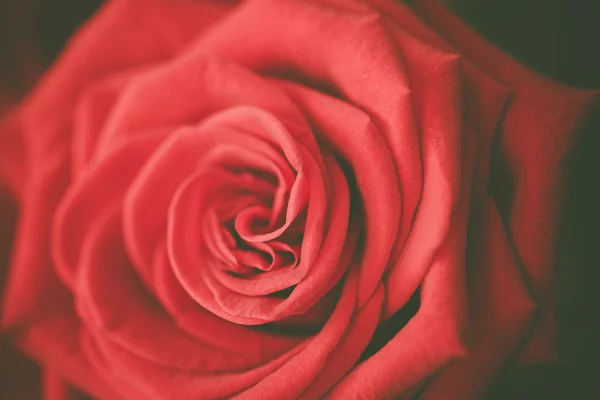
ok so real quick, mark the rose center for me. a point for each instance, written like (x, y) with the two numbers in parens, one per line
(251, 229)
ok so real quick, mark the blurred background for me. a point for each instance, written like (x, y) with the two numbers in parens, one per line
(558, 38)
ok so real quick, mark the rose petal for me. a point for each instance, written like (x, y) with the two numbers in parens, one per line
(293, 377)
(349, 348)
(91, 113)
(538, 130)
(501, 310)
(31, 266)
(433, 337)
(436, 83)
(83, 204)
(122, 34)
(55, 343)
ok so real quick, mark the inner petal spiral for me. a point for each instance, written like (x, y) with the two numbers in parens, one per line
(251, 218)
(256, 221)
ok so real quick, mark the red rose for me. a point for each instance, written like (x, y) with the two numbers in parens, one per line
(226, 200)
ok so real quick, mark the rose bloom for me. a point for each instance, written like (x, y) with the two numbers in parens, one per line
(222, 200)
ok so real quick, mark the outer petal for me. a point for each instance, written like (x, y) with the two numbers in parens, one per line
(433, 337)
(500, 305)
(38, 308)
(436, 82)
(56, 388)
(56, 341)
(123, 34)
(538, 131)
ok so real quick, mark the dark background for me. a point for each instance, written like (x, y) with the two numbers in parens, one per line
(558, 38)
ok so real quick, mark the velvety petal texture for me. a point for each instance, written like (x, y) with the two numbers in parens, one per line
(229, 200)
